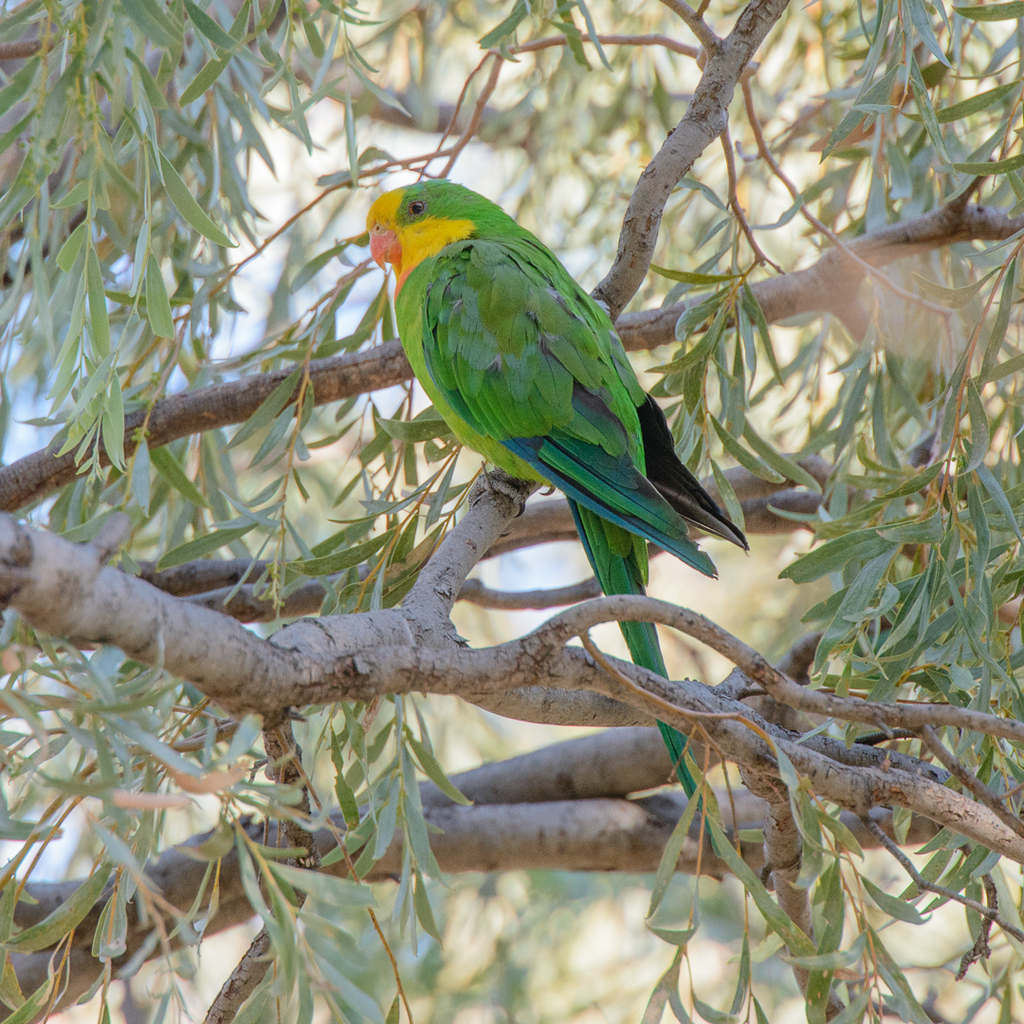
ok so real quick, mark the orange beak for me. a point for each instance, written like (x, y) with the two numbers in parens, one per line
(384, 246)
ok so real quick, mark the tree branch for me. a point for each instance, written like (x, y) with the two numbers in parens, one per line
(560, 806)
(828, 286)
(703, 122)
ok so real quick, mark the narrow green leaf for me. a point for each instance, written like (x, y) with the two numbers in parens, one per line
(670, 856)
(208, 27)
(892, 905)
(202, 546)
(29, 1010)
(433, 770)
(927, 111)
(691, 277)
(186, 205)
(113, 424)
(507, 27)
(270, 408)
(71, 248)
(787, 467)
(980, 437)
(170, 469)
(98, 318)
(207, 75)
(158, 305)
(975, 104)
(923, 23)
(70, 913)
(424, 427)
(77, 194)
(424, 912)
(991, 12)
(17, 88)
(338, 561)
(745, 458)
(955, 298)
(156, 22)
(1012, 163)
(778, 920)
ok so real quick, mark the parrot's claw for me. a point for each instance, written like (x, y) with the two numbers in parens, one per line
(499, 482)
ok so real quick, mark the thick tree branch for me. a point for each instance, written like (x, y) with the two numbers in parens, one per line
(558, 807)
(219, 405)
(831, 283)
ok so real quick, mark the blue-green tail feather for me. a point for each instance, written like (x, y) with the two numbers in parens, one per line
(620, 574)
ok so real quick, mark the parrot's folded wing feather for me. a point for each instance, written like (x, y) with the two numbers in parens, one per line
(525, 359)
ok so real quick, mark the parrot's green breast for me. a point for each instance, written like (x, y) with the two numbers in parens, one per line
(409, 312)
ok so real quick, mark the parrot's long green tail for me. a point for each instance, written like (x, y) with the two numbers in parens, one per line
(619, 573)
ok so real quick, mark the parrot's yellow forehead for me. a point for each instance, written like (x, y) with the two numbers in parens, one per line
(385, 209)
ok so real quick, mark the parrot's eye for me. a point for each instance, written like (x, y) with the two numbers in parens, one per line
(417, 207)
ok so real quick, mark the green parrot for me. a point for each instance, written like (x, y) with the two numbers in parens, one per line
(526, 369)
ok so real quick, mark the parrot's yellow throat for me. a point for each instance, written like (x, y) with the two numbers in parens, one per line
(404, 239)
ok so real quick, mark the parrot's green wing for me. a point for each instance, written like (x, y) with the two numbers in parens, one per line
(524, 357)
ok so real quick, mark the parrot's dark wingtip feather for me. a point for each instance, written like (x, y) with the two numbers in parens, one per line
(677, 485)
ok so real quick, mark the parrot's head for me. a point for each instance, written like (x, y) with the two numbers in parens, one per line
(408, 225)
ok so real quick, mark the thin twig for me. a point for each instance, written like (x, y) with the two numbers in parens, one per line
(478, 112)
(940, 890)
(734, 203)
(887, 282)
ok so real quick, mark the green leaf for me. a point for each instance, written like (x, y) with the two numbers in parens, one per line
(327, 565)
(1013, 163)
(158, 305)
(787, 467)
(892, 905)
(923, 23)
(98, 318)
(691, 277)
(156, 22)
(991, 12)
(927, 111)
(778, 920)
(980, 437)
(185, 204)
(69, 914)
(670, 855)
(425, 426)
(202, 546)
(17, 88)
(208, 74)
(433, 770)
(975, 104)
(113, 424)
(29, 1010)
(71, 248)
(330, 889)
(424, 912)
(507, 27)
(270, 408)
(77, 194)
(208, 27)
(955, 298)
(745, 458)
(170, 469)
